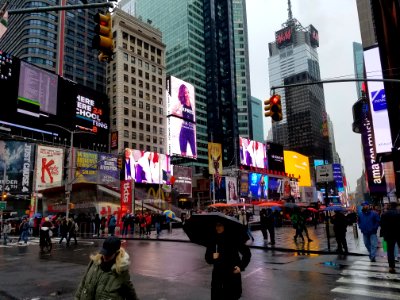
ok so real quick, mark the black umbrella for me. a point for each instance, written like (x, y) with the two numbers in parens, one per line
(200, 228)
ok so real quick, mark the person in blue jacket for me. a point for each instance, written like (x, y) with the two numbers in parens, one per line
(368, 221)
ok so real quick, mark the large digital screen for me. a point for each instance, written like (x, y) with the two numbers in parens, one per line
(37, 91)
(181, 99)
(252, 153)
(258, 186)
(181, 138)
(338, 176)
(298, 165)
(146, 167)
(377, 98)
(183, 180)
(275, 157)
(284, 37)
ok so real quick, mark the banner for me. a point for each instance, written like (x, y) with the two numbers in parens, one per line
(214, 158)
(108, 173)
(183, 180)
(126, 196)
(86, 167)
(18, 158)
(49, 167)
(231, 190)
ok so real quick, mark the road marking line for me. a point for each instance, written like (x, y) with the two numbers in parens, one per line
(366, 292)
(249, 274)
(370, 274)
(370, 282)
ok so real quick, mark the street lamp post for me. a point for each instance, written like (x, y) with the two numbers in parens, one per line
(69, 180)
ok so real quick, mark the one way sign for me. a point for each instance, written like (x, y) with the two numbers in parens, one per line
(324, 173)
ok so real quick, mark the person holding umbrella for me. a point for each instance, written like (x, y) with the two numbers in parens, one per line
(339, 222)
(223, 252)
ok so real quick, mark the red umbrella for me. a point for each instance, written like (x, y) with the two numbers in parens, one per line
(312, 209)
(269, 204)
(219, 204)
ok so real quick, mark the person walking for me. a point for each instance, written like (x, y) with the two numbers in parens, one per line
(112, 223)
(243, 219)
(339, 222)
(390, 224)
(126, 220)
(73, 229)
(63, 230)
(107, 276)
(6, 232)
(97, 222)
(24, 231)
(297, 223)
(368, 222)
(267, 221)
(229, 256)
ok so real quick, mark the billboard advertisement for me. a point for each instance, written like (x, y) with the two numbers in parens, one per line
(298, 165)
(181, 99)
(252, 153)
(214, 158)
(377, 98)
(17, 158)
(258, 186)
(231, 189)
(126, 197)
(145, 166)
(183, 180)
(373, 169)
(275, 157)
(338, 176)
(181, 139)
(244, 185)
(49, 167)
(284, 37)
(220, 188)
(314, 36)
(86, 167)
(108, 173)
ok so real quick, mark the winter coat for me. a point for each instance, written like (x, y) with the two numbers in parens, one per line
(390, 224)
(339, 222)
(225, 284)
(368, 222)
(114, 284)
(112, 222)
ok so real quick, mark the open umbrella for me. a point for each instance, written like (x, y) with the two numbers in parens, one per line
(169, 214)
(219, 204)
(276, 208)
(312, 209)
(200, 228)
(269, 204)
(335, 208)
(37, 215)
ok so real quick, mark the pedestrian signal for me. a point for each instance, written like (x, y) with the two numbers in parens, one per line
(273, 108)
(103, 39)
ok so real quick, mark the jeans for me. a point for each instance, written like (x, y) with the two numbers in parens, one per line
(5, 237)
(371, 243)
(24, 236)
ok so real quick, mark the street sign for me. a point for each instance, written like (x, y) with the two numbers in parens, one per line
(3, 205)
(324, 173)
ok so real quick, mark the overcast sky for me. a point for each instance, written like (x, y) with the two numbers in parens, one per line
(338, 27)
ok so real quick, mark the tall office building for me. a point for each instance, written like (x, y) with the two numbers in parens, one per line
(257, 118)
(293, 59)
(205, 39)
(57, 41)
(136, 85)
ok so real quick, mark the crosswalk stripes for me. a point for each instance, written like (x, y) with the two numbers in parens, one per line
(370, 280)
(35, 241)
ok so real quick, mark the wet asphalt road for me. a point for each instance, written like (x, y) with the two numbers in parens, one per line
(164, 270)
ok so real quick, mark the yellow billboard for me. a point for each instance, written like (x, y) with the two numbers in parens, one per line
(214, 158)
(298, 165)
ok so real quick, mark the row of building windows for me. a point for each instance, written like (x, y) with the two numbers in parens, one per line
(31, 23)
(143, 147)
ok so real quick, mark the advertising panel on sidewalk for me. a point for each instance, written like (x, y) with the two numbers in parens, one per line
(49, 167)
(17, 158)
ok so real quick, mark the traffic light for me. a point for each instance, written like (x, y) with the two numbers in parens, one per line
(4, 196)
(273, 108)
(103, 39)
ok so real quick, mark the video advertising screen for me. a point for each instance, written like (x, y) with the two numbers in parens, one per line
(298, 165)
(146, 167)
(258, 186)
(181, 139)
(252, 153)
(275, 157)
(181, 99)
(37, 91)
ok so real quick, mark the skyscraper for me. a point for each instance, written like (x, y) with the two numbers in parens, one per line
(204, 40)
(57, 41)
(293, 59)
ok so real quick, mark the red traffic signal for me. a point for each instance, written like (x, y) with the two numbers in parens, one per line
(273, 108)
(103, 39)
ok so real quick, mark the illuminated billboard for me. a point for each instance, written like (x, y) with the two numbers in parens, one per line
(275, 157)
(181, 138)
(258, 186)
(298, 165)
(183, 180)
(181, 99)
(284, 37)
(49, 167)
(214, 158)
(252, 153)
(377, 98)
(146, 167)
(231, 189)
(17, 158)
(181, 118)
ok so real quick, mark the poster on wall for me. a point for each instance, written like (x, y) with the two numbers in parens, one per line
(108, 173)
(86, 167)
(231, 189)
(49, 167)
(17, 158)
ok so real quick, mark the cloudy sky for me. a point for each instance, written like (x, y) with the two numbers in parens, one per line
(338, 27)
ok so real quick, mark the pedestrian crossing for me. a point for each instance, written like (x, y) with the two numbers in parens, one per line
(369, 280)
(35, 241)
